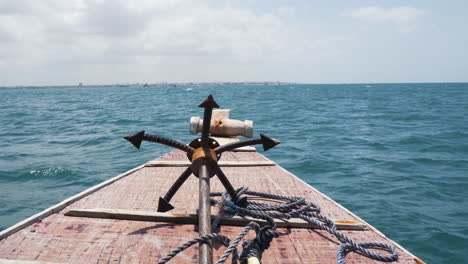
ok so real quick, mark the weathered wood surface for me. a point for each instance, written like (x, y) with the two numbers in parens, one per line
(15, 261)
(63, 239)
(58, 207)
(186, 163)
(193, 218)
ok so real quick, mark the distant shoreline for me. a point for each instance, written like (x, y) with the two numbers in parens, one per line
(173, 84)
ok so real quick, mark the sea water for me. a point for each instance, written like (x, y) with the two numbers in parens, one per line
(394, 154)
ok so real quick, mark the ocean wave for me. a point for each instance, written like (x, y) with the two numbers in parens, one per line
(395, 153)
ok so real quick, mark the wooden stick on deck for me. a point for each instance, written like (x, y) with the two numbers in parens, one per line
(192, 219)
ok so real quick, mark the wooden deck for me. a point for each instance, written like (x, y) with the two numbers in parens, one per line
(66, 239)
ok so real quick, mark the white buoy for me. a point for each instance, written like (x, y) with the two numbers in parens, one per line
(222, 125)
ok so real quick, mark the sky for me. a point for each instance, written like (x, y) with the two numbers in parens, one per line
(66, 42)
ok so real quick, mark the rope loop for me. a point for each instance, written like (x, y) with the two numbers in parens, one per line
(281, 207)
(362, 248)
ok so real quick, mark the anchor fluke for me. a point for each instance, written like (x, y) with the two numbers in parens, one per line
(164, 205)
(268, 143)
(209, 103)
(242, 202)
(136, 139)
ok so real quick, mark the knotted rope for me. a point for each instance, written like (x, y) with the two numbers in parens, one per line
(291, 207)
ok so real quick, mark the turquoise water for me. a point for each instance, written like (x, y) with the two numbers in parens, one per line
(395, 154)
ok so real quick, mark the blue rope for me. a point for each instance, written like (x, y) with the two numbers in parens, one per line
(292, 207)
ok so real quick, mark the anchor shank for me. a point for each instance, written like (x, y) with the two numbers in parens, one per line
(205, 255)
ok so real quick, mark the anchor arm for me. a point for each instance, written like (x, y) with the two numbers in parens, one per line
(164, 205)
(267, 143)
(137, 138)
(228, 186)
(208, 104)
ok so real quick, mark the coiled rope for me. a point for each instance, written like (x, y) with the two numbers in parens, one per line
(290, 207)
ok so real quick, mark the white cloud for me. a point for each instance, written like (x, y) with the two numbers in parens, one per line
(286, 11)
(403, 16)
(149, 27)
(102, 41)
(55, 35)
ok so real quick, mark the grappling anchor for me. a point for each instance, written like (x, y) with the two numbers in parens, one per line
(203, 151)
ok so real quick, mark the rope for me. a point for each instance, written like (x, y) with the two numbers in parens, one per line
(233, 245)
(191, 242)
(291, 207)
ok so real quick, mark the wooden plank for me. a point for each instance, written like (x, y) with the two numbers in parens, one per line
(183, 163)
(193, 218)
(14, 261)
(58, 207)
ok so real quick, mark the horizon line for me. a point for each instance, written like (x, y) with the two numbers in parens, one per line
(147, 84)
